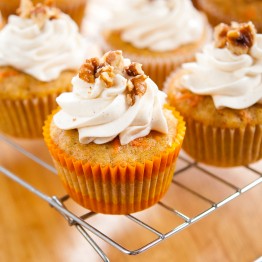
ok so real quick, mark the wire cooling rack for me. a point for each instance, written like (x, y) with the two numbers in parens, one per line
(208, 191)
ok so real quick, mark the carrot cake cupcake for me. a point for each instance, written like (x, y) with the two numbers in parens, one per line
(113, 141)
(40, 51)
(220, 97)
(158, 34)
(235, 10)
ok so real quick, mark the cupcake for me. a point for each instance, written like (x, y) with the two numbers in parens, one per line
(75, 9)
(113, 140)
(220, 97)
(158, 34)
(235, 10)
(40, 51)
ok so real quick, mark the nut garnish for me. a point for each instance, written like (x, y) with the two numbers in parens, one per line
(134, 69)
(115, 59)
(39, 13)
(238, 38)
(87, 71)
(107, 75)
(136, 87)
(220, 35)
(112, 63)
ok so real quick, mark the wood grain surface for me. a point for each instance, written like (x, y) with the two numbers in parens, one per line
(31, 230)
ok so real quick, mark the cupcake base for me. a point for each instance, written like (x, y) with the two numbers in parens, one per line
(224, 147)
(119, 188)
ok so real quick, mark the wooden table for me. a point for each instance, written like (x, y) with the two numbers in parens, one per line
(32, 231)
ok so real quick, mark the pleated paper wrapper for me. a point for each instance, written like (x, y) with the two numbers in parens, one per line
(223, 147)
(24, 118)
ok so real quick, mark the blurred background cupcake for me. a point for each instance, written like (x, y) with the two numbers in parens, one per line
(219, 11)
(40, 51)
(113, 140)
(220, 98)
(74, 8)
(159, 34)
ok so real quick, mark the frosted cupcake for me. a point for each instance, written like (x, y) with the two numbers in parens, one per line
(220, 97)
(113, 141)
(40, 51)
(159, 34)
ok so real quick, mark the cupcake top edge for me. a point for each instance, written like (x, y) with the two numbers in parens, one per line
(229, 69)
(156, 25)
(41, 41)
(111, 97)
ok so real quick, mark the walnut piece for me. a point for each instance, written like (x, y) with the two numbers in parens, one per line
(107, 75)
(220, 35)
(238, 38)
(241, 39)
(87, 71)
(136, 87)
(38, 13)
(112, 63)
(115, 59)
(134, 69)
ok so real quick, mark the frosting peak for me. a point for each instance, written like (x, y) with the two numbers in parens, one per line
(232, 76)
(111, 96)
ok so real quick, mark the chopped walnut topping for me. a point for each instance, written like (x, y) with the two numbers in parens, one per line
(220, 35)
(136, 86)
(38, 13)
(107, 75)
(241, 39)
(134, 69)
(112, 63)
(238, 38)
(87, 71)
(115, 59)
(139, 84)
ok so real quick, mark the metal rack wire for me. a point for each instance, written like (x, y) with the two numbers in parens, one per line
(82, 224)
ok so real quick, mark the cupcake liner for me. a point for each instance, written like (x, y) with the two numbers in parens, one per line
(119, 189)
(24, 118)
(224, 147)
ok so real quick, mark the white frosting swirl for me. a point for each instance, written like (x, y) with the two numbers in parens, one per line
(42, 52)
(100, 114)
(158, 25)
(233, 81)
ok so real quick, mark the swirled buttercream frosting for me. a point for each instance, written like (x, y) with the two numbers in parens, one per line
(41, 42)
(230, 69)
(111, 97)
(158, 25)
